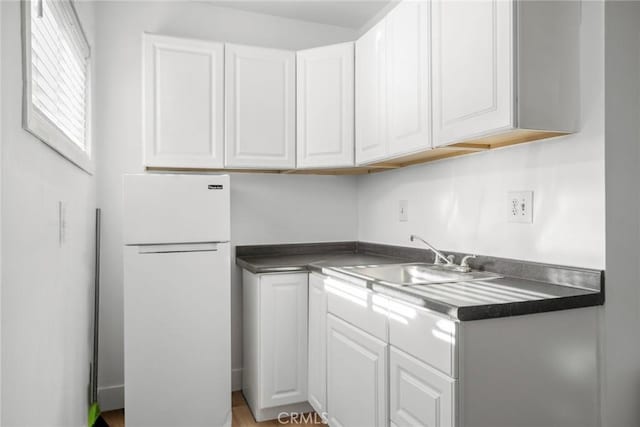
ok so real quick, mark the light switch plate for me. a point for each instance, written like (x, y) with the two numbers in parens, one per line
(403, 210)
(520, 206)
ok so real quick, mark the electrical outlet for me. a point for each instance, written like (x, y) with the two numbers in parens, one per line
(520, 206)
(403, 210)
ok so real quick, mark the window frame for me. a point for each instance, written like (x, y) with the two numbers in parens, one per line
(38, 124)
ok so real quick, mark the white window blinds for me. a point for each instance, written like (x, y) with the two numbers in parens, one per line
(59, 65)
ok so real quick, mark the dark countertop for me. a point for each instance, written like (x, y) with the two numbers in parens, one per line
(545, 287)
(303, 262)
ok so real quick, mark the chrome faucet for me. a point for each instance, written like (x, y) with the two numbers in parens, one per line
(448, 260)
(465, 262)
(439, 255)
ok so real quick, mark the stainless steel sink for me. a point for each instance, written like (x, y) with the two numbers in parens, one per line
(416, 274)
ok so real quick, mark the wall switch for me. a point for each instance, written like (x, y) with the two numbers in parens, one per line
(403, 210)
(520, 206)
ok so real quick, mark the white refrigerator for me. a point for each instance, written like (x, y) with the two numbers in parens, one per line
(177, 322)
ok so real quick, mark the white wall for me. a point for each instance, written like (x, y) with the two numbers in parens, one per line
(46, 288)
(0, 217)
(461, 204)
(265, 208)
(621, 312)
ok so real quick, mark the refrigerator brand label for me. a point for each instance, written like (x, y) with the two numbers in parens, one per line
(215, 187)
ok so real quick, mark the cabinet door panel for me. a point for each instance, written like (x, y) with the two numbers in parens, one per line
(283, 348)
(371, 142)
(356, 376)
(317, 343)
(325, 110)
(183, 102)
(472, 68)
(260, 107)
(419, 395)
(408, 88)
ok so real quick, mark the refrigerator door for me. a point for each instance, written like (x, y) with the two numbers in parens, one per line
(177, 336)
(176, 209)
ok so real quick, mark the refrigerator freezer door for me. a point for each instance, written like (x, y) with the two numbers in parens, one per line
(176, 209)
(177, 338)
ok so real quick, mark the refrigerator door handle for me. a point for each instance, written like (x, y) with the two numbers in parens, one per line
(177, 247)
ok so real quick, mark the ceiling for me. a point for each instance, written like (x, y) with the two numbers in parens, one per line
(353, 14)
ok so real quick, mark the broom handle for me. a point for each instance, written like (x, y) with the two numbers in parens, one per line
(96, 309)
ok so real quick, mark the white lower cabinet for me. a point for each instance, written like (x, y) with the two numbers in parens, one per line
(392, 363)
(419, 395)
(317, 389)
(356, 376)
(275, 343)
(369, 381)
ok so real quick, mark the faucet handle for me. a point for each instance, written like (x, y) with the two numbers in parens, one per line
(438, 261)
(465, 260)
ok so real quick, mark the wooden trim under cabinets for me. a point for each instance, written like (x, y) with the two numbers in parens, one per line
(480, 144)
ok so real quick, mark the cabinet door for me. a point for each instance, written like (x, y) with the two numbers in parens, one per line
(408, 79)
(260, 107)
(183, 102)
(419, 395)
(317, 343)
(472, 68)
(325, 110)
(356, 376)
(283, 339)
(371, 140)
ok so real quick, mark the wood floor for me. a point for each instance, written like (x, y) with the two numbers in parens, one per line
(241, 416)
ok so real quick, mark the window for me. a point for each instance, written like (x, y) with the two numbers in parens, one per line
(57, 79)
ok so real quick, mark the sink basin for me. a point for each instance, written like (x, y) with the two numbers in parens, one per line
(416, 274)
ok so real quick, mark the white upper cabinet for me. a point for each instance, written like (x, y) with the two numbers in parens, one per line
(260, 108)
(501, 65)
(371, 131)
(182, 102)
(393, 85)
(472, 68)
(477, 74)
(325, 110)
(408, 80)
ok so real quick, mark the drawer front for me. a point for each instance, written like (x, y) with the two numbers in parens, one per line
(358, 306)
(425, 335)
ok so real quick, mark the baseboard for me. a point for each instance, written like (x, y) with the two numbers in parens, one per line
(236, 379)
(111, 397)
